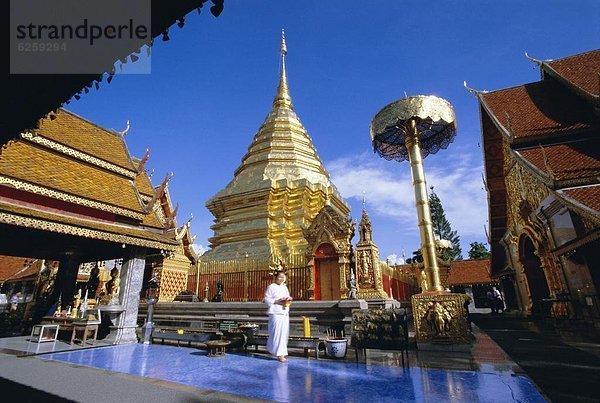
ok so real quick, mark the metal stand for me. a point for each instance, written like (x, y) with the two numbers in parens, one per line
(149, 325)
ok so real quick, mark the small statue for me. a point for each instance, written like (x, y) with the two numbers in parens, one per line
(424, 283)
(112, 287)
(83, 307)
(365, 269)
(219, 295)
(92, 284)
(77, 302)
(352, 286)
(439, 318)
(206, 292)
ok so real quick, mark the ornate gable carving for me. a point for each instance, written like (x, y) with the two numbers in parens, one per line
(332, 227)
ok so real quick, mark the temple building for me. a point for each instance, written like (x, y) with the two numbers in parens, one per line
(542, 170)
(281, 208)
(71, 192)
(472, 277)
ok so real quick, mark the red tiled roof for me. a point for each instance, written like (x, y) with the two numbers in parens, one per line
(581, 71)
(469, 272)
(588, 196)
(575, 160)
(541, 109)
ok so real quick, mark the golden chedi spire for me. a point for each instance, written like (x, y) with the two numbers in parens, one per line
(279, 187)
(283, 99)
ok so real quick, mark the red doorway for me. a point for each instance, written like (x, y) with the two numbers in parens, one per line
(327, 273)
(536, 279)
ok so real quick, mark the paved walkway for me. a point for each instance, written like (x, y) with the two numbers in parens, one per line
(138, 373)
(563, 364)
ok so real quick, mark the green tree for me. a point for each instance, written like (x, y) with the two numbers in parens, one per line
(442, 228)
(417, 257)
(478, 251)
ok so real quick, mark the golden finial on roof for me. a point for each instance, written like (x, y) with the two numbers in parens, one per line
(283, 47)
(283, 99)
(124, 131)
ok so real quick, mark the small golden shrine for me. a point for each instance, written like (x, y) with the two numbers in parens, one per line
(368, 266)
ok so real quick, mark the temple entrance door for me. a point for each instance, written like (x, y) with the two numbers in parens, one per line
(327, 273)
(329, 279)
(536, 279)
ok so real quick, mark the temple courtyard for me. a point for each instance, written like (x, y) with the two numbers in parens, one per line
(358, 266)
(138, 372)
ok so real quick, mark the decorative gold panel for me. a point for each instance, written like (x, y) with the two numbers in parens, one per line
(440, 318)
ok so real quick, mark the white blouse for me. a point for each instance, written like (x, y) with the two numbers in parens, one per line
(275, 292)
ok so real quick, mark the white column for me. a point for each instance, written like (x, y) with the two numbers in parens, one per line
(132, 277)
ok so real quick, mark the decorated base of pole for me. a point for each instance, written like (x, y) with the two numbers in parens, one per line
(441, 321)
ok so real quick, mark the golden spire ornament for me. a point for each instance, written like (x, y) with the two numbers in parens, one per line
(283, 98)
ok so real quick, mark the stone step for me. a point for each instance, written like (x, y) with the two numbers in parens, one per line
(323, 315)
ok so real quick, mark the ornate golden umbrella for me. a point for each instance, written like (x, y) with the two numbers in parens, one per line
(410, 129)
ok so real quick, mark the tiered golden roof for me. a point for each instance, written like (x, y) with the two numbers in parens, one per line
(278, 189)
(73, 177)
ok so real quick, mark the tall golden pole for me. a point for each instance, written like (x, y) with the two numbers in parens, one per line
(198, 279)
(410, 129)
(246, 280)
(423, 214)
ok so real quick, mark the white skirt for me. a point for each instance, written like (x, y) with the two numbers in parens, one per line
(279, 331)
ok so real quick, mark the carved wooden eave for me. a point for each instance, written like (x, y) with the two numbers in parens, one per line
(542, 176)
(185, 239)
(579, 208)
(159, 193)
(141, 166)
(76, 226)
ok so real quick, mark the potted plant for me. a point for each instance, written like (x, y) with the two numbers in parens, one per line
(335, 346)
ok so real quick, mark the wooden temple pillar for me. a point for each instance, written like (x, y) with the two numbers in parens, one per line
(66, 280)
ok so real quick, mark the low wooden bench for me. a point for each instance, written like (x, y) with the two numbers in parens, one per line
(189, 337)
(294, 342)
(216, 348)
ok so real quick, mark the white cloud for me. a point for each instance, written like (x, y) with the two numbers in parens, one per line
(388, 193)
(456, 178)
(199, 249)
(395, 259)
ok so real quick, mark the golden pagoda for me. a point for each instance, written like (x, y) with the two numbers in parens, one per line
(280, 210)
(276, 192)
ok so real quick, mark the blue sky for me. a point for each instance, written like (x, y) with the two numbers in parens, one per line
(212, 85)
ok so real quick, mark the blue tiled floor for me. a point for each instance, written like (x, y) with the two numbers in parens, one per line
(302, 379)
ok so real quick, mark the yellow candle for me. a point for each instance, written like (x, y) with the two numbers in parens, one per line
(306, 326)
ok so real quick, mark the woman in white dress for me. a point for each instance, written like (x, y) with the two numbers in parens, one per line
(278, 299)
